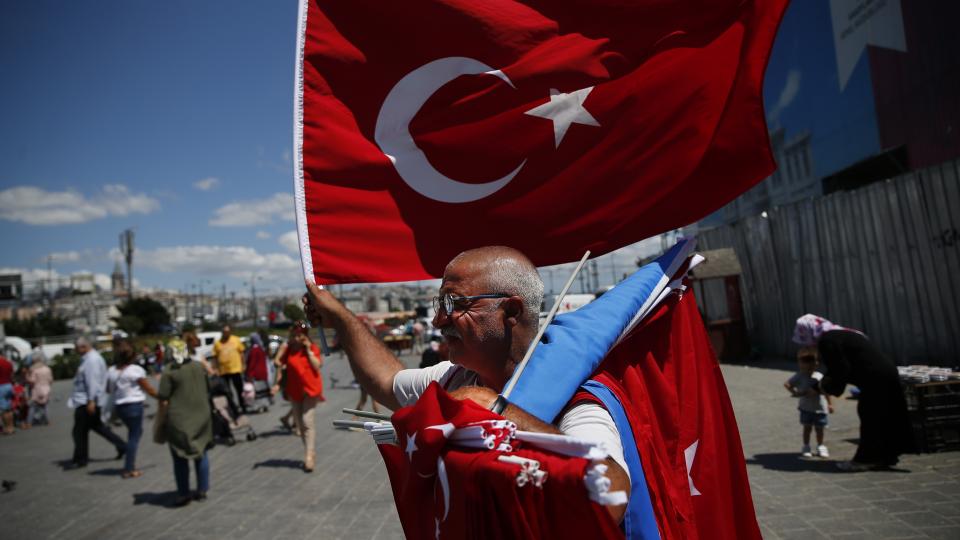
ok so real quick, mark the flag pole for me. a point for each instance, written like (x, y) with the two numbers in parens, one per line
(323, 337)
(533, 345)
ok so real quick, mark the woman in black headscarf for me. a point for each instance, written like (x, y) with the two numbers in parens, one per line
(851, 358)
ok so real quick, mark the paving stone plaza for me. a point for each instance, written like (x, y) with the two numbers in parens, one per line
(259, 491)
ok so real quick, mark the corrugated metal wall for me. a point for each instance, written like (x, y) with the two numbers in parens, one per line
(884, 259)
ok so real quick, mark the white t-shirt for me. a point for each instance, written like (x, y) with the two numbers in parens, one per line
(126, 387)
(588, 421)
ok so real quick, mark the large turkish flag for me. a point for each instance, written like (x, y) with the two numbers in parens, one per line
(424, 128)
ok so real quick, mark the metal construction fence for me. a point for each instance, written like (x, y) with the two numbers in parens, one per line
(884, 259)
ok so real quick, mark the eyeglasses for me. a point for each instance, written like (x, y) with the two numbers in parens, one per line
(451, 302)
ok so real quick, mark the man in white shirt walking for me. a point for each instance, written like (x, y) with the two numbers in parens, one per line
(89, 390)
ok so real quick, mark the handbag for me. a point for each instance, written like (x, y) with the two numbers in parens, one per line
(160, 424)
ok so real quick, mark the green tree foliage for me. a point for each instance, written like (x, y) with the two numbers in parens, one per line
(129, 324)
(152, 315)
(294, 312)
(43, 324)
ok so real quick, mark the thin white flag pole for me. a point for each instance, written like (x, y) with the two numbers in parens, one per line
(533, 345)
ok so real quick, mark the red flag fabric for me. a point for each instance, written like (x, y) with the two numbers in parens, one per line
(445, 492)
(425, 128)
(668, 379)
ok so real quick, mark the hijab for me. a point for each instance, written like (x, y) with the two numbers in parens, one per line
(810, 327)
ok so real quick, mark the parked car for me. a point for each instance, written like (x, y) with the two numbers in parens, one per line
(207, 339)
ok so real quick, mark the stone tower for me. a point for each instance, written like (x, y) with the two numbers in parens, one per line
(117, 285)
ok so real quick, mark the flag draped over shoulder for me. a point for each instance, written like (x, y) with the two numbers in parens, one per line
(445, 491)
(560, 126)
(661, 383)
(666, 378)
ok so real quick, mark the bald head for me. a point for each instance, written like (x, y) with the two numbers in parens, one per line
(502, 269)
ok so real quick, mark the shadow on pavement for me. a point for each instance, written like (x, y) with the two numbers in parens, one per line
(791, 462)
(165, 499)
(116, 471)
(274, 433)
(106, 472)
(288, 463)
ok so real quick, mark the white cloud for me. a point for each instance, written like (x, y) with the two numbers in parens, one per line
(789, 92)
(285, 165)
(263, 235)
(104, 281)
(65, 256)
(35, 279)
(256, 212)
(290, 241)
(35, 206)
(236, 261)
(206, 184)
(75, 256)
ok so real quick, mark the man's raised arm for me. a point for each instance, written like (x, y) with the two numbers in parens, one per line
(372, 363)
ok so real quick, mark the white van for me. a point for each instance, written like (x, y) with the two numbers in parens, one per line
(207, 339)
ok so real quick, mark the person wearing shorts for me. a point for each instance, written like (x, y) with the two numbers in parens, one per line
(812, 403)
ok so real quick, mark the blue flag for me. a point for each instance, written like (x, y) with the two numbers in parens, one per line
(575, 343)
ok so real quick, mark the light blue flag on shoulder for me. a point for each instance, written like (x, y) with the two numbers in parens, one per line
(575, 343)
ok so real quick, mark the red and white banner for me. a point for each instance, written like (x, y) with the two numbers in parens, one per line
(423, 128)
(669, 381)
(443, 491)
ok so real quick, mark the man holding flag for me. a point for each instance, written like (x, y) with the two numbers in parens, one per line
(488, 311)
(555, 127)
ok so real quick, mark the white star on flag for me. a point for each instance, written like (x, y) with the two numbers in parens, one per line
(563, 110)
(411, 446)
(446, 429)
(689, 455)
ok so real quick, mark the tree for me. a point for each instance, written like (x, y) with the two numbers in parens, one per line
(294, 312)
(44, 324)
(152, 315)
(129, 323)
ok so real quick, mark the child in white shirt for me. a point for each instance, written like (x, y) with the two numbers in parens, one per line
(813, 404)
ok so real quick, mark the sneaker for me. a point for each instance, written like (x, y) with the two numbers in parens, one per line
(805, 451)
(822, 451)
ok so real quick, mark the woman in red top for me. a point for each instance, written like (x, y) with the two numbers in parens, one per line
(302, 361)
(256, 359)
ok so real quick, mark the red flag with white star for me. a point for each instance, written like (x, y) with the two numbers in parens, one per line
(669, 381)
(424, 128)
(444, 491)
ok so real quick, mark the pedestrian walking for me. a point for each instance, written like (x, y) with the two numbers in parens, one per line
(185, 406)
(851, 358)
(301, 360)
(89, 394)
(130, 390)
(257, 360)
(21, 398)
(228, 350)
(40, 377)
(6, 395)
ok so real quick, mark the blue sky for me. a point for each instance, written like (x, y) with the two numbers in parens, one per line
(152, 116)
(174, 118)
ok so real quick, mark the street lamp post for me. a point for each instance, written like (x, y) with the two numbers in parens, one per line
(253, 297)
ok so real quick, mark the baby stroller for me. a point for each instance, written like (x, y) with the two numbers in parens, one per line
(256, 395)
(228, 423)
